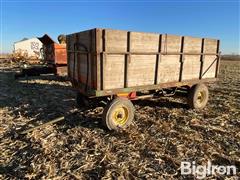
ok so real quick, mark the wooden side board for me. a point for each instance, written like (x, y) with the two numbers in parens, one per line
(113, 72)
(192, 45)
(209, 67)
(144, 42)
(141, 70)
(171, 44)
(168, 68)
(81, 59)
(118, 59)
(191, 67)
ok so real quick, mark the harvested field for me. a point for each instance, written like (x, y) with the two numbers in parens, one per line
(165, 132)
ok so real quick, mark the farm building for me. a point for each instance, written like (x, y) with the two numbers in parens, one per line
(28, 48)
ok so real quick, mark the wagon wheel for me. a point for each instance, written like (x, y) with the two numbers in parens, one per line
(198, 96)
(119, 113)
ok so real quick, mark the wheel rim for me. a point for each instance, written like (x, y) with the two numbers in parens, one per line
(120, 115)
(200, 97)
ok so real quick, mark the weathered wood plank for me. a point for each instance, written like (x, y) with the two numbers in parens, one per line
(172, 43)
(118, 59)
(209, 67)
(113, 77)
(78, 62)
(141, 70)
(191, 67)
(192, 45)
(168, 69)
(116, 40)
(144, 42)
(210, 46)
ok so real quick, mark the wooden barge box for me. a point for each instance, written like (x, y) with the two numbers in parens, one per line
(116, 67)
(105, 62)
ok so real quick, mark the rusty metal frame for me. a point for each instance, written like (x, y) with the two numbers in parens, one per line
(99, 93)
(151, 87)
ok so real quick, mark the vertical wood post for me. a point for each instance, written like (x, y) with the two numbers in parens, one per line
(102, 56)
(202, 59)
(158, 56)
(218, 59)
(97, 60)
(181, 59)
(74, 59)
(127, 58)
(92, 57)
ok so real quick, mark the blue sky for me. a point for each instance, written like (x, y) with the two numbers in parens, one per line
(217, 19)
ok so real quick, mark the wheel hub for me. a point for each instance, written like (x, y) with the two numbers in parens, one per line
(120, 115)
(200, 97)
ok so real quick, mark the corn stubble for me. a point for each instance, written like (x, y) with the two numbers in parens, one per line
(164, 133)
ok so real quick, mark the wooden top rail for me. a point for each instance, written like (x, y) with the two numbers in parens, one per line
(144, 53)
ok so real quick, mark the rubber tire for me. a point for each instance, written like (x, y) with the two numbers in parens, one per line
(108, 110)
(81, 101)
(193, 95)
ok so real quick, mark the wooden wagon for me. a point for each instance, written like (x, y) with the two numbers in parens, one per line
(118, 66)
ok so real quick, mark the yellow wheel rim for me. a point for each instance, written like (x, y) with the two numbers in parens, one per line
(120, 115)
(200, 97)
